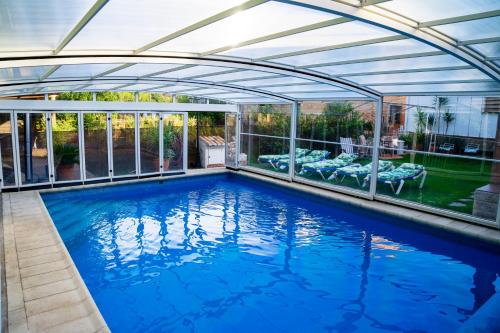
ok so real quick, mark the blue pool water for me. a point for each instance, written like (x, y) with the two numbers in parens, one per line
(229, 254)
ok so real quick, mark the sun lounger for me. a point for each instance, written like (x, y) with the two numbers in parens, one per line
(273, 159)
(447, 147)
(359, 172)
(314, 156)
(398, 176)
(325, 167)
(471, 148)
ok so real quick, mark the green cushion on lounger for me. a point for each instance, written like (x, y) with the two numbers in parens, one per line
(339, 161)
(361, 170)
(404, 171)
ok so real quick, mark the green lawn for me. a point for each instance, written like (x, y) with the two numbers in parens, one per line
(450, 182)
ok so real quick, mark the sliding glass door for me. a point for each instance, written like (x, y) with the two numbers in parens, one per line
(123, 143)
(8, 170)
(149, 142)
(96, 145)
(66, 146)
(33, 149)
(173, 142)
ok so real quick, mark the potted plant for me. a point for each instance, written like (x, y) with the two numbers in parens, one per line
(68, 156)
(168, 154)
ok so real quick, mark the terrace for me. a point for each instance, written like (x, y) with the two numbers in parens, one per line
(388, 105)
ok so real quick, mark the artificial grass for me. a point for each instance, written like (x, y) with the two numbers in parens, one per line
(450, 183)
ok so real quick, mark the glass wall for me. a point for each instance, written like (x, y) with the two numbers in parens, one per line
(334, 142)
(96, 145)
(7, 150)
(123, 138)
(173, 142)
(66, 146)
(230, 133)
(33, 153)
(149, 138)
(265, 136)
(444, 150)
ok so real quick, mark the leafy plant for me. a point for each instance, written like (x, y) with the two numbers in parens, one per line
(69, 154)
(169, 153)
(448, 118)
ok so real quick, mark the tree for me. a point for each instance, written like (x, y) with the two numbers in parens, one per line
(448, 118)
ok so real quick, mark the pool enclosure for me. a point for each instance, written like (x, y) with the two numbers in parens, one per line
(390, 100)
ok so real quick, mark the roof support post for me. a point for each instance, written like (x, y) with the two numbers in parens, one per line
(293, 135)
(375, 148)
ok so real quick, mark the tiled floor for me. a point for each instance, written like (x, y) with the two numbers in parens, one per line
(44, 291)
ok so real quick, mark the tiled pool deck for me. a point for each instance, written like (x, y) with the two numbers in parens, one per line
(45, 292)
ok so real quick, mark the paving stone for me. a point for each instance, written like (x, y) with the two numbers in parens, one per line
(53, 302)
(41, 279)
(44, 268)
(56, 317)
(49, 289)
(38, 252)
(41, 259)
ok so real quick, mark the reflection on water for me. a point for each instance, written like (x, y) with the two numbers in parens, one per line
(219, 254)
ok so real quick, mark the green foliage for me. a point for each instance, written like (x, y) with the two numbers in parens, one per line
(75, 96)
(448, 118)
(69, 154)
(440, 102)
(337, 120)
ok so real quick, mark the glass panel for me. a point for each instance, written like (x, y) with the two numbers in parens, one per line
(441, 88)
(429, 10)
(143, 69)
(66, 146)
(33, 154)
(400, 64)
(22, 73)
(334, 143)
(272, 17)
(488, 49)
(231, 123)
(333, 35)
(7, 153)
(83, 70)
(445, 152)
(39, 25)
(173, 147)
(193, 71)
(476, 29)
(265, 136)
(123, 133)
(399, 47)
(241, 75)
(96, 145)
(149, 142)
(441, 76)
(122, 25)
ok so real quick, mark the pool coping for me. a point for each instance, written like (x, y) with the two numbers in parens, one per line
(45, 292)
(488, 235)
(17, 320)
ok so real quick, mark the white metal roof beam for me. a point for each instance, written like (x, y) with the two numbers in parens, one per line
(479, 41)
(412, 83)
(286, 33)
(334, 47)
(392, 22)
(459, 19)
(49, 72)
(81, 24)
(364, 3)
(201, 24)
(365, 60)
(112, 70)
(400, 71)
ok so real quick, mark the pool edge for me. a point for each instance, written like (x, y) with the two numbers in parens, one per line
(487, 235)
(47, 296)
